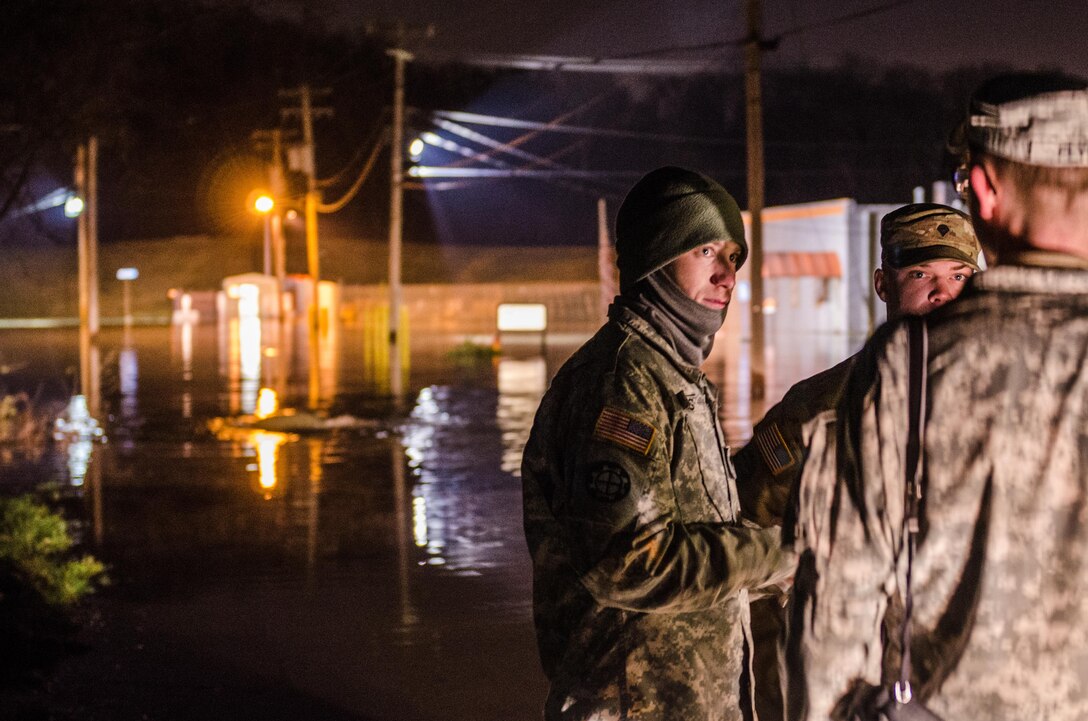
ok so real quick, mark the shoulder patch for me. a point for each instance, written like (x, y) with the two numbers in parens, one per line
(608, 482)
(624, 430)
(774, 449)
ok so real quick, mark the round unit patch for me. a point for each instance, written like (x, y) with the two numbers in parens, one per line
(608, 482)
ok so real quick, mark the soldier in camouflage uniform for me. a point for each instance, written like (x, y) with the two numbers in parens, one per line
(999, 579)
(928, 252)
(641, 567)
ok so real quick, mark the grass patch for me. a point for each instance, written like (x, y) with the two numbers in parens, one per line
(41, 582)
(469, 353)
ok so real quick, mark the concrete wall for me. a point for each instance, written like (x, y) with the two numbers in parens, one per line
(470, 309)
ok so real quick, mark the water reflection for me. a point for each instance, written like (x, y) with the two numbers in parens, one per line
(268, 449)
(386, 559)
(128, 379)
(521, 385)
(464, 463)
(79, 458)
(76, 431)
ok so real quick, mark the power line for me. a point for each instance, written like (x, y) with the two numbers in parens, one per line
(578, 64)
(427, 171)
(363, 174)
(877, 10)
(766, 43)
(359, 151)
(497, 146)
(500, 122)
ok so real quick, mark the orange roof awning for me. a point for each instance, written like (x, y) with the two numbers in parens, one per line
(796, 264)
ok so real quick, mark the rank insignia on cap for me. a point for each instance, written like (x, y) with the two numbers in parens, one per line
(772, 446)
(624, 430)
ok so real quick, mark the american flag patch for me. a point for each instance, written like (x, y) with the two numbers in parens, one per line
(623, 430)
(772, 446)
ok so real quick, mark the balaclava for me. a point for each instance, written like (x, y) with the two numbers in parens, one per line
(666, 214)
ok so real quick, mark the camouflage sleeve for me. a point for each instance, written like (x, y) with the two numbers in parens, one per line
(856, 561)
(621, 514)
(767, 468)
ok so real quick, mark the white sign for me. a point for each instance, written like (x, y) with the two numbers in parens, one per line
(127, 274)
(523, 317)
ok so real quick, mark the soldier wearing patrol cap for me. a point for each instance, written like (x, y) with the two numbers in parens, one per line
(999, 581)
(641, 565)
(928, 254)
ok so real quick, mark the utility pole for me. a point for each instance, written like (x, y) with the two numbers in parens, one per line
(86, 182)
(396, 220)
(605, 264)
(398, 36)
(307, 165)
(313, 261)
(277, 187)
(753, 94)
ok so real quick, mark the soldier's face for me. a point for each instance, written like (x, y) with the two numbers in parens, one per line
(708, 274)
(919, 289)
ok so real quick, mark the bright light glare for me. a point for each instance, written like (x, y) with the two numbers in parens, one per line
(267, 446)
(263, 204)
(419, 521)
(523, 317)
(73, 207)
(266, 403)
(415, 149)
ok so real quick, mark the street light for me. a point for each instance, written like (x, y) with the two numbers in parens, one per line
(73, 207)
(264, 204)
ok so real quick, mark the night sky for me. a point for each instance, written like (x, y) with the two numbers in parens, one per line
(936, 34)
(835, 123)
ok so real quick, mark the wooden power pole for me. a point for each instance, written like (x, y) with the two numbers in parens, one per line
(397, 35)
(396, 219)
(307, 165)
(754, 114)
(86, 182)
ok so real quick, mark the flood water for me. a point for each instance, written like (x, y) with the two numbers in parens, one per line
(373, 571)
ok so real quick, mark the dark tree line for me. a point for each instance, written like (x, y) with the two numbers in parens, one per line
(174, 91)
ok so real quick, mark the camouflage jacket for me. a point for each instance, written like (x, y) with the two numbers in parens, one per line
(768, 470)
(769, 465)
(640, 566)
(1000, 581)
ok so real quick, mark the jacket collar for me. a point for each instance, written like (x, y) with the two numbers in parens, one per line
(642, 328)
(1033, 279)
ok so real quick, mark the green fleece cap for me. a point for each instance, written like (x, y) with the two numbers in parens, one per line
(669, 212)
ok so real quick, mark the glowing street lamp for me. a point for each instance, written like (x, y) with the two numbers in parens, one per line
(73, 207)
(264, 204)
(415, 149)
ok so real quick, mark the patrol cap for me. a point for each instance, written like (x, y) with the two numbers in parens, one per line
(921, 232)
(668, 212)
(1031, 118)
